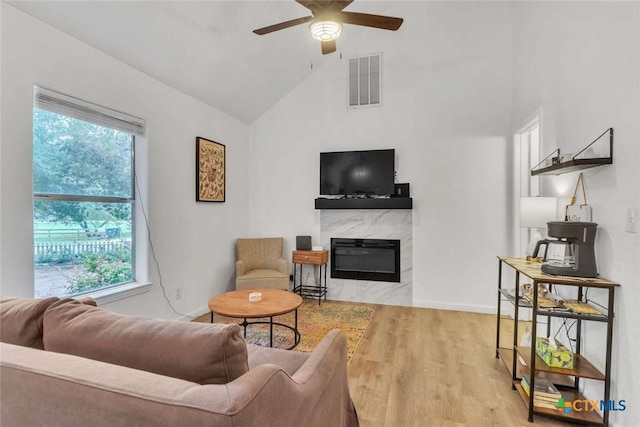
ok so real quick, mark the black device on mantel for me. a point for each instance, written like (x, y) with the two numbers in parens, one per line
(303, 243)
(575, 245)
(401, 190)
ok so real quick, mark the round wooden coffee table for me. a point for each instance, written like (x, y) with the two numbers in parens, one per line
(275, 302)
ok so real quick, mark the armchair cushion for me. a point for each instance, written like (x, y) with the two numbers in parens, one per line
(260, 253)
(262, 273)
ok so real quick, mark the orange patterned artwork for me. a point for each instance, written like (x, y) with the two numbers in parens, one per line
(210, 171)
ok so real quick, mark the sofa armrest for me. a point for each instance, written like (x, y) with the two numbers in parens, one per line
(318, 391)
(241, 268)
(282, 266)
(332, 350)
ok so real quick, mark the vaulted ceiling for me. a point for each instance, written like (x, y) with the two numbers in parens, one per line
(205, 49)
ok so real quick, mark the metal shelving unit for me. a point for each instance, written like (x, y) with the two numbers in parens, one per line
(524, 360)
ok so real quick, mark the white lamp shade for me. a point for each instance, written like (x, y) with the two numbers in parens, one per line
(325, 30)
(535, 212)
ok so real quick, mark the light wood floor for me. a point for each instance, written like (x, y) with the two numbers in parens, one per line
(424, 367)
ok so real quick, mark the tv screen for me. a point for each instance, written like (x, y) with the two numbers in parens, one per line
(357, 172)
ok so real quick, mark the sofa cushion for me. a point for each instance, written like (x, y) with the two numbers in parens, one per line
(21, 320)
(197, 352)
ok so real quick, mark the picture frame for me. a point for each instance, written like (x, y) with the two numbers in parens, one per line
(210, 170)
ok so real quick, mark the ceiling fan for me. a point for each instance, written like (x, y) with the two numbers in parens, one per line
(327, 17)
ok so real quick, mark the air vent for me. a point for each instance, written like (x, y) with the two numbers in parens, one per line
(365, 77)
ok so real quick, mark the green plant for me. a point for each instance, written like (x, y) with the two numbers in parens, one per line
(101, 270)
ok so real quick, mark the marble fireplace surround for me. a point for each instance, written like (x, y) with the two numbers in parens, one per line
(371, 224)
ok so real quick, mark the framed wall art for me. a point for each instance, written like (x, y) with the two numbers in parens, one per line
(210, 171)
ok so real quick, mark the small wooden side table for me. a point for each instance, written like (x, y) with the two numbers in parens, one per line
(301, 258)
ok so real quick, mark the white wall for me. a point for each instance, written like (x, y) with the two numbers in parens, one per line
(194, 242)
(446, 111)
(581, 63)
(1, 209)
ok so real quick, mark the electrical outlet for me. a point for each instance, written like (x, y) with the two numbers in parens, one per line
(178, 293)
(632, 218)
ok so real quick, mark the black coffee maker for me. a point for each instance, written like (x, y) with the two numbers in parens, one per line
(573, 249)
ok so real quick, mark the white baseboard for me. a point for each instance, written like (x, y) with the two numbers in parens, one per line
(196, 313)
(456, 307)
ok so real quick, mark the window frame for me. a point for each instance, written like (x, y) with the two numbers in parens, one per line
(107, 118)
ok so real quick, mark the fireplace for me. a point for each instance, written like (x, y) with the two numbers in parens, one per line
(365, 259)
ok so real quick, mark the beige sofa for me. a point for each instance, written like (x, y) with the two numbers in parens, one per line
(65, 363)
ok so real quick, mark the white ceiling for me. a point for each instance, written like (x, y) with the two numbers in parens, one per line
(205, 49)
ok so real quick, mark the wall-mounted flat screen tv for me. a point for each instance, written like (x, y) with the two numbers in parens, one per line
(357, 172)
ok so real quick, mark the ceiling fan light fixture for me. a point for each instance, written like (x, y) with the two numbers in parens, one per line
(325, 30)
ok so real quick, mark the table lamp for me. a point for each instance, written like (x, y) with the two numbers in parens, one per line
(535, 212)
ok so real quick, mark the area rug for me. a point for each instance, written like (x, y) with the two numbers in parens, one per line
(314, 322)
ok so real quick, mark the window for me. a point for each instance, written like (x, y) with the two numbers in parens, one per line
(84, 195)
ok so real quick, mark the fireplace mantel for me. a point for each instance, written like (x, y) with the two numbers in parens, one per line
(368, 203)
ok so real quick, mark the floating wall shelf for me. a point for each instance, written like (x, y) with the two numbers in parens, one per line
(576, 164)
(369, 203)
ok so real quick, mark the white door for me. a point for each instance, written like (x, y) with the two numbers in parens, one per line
(526, 156)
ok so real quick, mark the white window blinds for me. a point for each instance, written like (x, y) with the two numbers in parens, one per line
(78, 109)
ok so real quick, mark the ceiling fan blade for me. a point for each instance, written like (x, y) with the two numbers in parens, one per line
(320, 5)
(328, 46)
(282, 25)
(375, 21)
(341, 4)
(312, 5)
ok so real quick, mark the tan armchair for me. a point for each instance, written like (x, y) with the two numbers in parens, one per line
(260, 264)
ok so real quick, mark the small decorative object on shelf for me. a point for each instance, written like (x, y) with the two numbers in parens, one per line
(545, 395)
(585, 158)
(557, 356)
(579, 307)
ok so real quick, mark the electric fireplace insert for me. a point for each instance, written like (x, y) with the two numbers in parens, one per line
(365, 259)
